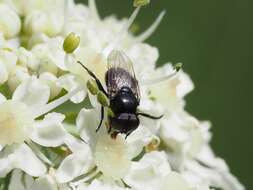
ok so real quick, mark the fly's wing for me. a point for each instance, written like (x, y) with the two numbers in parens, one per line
(120, 74)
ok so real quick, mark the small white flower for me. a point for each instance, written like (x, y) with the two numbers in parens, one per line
(51, 81)
(20, 181)
(10, 23)
(8, 61)
(144, 58)
(184, 137)
(78, 163)
(15, 122)
(70, 82)
(18, 75)
(210, 169)
(16, 182)
(48, 19)
(18, 156)
(50, 55)
(18, 125)
(153, 172)
(150, 169)
(111, 156)
(27, 59)
(173, 90)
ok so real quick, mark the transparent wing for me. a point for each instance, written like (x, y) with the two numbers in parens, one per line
(120, 73)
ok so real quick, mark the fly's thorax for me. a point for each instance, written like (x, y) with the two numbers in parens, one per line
(124, 101)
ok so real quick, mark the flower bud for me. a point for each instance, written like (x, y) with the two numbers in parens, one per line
(140, 3)
(178, 66)
(10, 24)
(92, 87)
(102, 99)
(71, 42)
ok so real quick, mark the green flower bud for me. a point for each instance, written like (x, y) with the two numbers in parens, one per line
(92, 87)
(71, 42)
(102, 99)
(178, 66)
(140, 3)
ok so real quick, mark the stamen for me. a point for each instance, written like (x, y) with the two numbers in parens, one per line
(145, 35)
(93, 9)
(85, 177)
(40, 155)
(66, 14)
(158, 80)
(52, 105)
(123, 32)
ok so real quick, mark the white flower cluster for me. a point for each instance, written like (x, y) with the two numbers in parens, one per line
(42, 149)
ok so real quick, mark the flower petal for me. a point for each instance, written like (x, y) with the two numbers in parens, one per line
(10, 22)
(5, 166)
(3, 73)
(174, 181)
(87, 122)
(20, 157)
(137, 140)
(51, 80)
(20, 181)
(111, 156)
(70, 82)
(32, 92)
(144, 56)
(2, 98)
(25, 159)
(74, 144)
(75, 165)
(149, 171)
(217, 172)
(214, 177)
(50, 131)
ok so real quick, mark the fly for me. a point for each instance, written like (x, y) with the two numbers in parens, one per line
(122, 90)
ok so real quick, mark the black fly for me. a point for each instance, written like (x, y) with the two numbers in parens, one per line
(123, 94)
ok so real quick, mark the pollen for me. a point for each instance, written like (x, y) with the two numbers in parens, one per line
(15, 122)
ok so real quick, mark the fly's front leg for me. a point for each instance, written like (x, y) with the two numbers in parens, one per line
(100, 86)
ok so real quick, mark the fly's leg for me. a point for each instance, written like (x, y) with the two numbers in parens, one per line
(101, 119)
(100, 86)
(150, 116)
(109, 129)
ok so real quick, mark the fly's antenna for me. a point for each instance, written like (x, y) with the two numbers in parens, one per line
(177, 68)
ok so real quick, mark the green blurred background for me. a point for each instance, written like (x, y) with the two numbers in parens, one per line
(214, 41)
